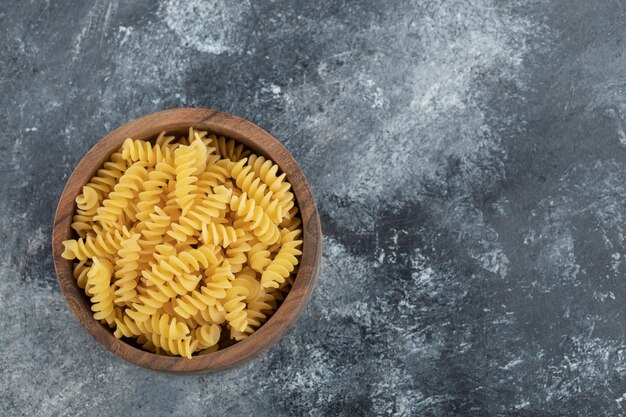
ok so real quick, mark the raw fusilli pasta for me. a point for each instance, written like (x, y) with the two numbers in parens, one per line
(183, 243)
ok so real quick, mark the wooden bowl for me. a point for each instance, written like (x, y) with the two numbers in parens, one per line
(179, 121)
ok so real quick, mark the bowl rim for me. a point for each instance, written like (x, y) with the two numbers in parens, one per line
(230, 126)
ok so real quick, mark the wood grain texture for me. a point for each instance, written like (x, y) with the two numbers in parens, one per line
(257, 139)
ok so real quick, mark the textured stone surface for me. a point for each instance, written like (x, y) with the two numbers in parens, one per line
(468, 159)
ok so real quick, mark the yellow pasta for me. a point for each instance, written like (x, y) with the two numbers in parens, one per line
(183, 242)
(142, 151)
(266, 170)
(235, 307)
(284, 262)
(258, 220)
(248, 182)
(188, 162)
(227, 148)
(127, 270)
(207, 335)
(100, 290)
(128, 187)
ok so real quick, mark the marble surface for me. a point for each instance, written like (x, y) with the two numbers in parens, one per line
(468, 160)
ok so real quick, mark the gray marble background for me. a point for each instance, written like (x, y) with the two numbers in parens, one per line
(469, 163)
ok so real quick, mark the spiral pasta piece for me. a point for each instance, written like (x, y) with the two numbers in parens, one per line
(266, 170)
(260, 223)
(184, 229)
(150, 303)
(87, 202)
(214, 314)
(163, 252)
(99, 288)
(107, 176)
(153, 189)
(163, 140)
(80, 272)
(214, 289)
(216, 234)
(283, 264)
(207, 335)
(213, 206)
(169, 334)
(257, 304)
(82, 224)
(189, 162)
(236, 252)
(200, 135)
(124, 191)
(185, 262)
(227, 148)
(248, 182)
(203, 214)
(247, 278)
(126, 327)
(235, 307)
(183, 347)
(257, 312)
(221, 276)
(239, 336)
(259, 257)
(126, 270)
(142, 151)
(152, 234)
(193, 303)
(215, 174)
(164, 325)
(102, 245)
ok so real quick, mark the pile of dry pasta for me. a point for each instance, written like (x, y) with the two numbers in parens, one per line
(182, 240)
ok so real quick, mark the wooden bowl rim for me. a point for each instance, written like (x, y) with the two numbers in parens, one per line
(243, 131)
